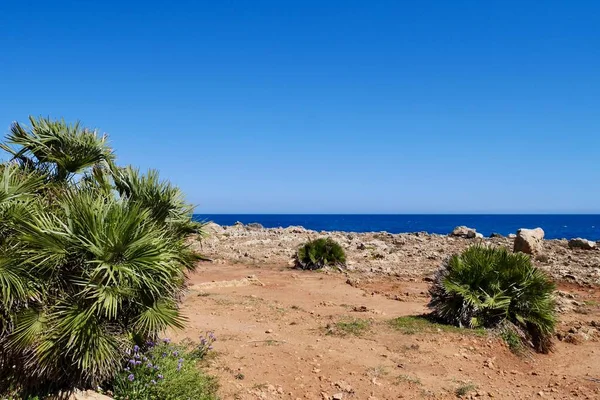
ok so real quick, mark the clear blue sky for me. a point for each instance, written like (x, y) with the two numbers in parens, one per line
(326, 106)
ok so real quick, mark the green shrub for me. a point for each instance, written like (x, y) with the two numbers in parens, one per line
(165, 371)
(319, 253)
(491, 287)
(86, 265)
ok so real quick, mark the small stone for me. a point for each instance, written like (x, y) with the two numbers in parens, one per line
(269, 331)
(338, 396)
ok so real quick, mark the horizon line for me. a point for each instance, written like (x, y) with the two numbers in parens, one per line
(410, 213)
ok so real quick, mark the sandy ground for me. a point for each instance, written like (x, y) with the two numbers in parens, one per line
(278, 339)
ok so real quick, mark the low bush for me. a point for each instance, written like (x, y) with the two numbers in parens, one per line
(319, 253)
(165, 371)
(491, 287)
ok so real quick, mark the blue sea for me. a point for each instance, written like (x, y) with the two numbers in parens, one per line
(556, 226)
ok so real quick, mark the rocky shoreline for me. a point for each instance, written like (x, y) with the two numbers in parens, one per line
(405, 255)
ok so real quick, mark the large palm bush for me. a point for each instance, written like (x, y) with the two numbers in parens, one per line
(492, 287)
(92, 257)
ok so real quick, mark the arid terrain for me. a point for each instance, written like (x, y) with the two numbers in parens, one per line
(355, 334)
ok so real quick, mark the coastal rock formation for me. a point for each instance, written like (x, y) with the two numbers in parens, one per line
(404, 255)
(529, 241)
(580, 243)
(464, 232)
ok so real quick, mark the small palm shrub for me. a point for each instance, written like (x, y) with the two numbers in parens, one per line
(165, 371)
(319, 253)
(92, 257)
(491, 287)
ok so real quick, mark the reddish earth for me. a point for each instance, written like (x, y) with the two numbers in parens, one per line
(273, 341)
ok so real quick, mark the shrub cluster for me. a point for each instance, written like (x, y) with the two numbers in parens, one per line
(165, 371)
(319, 253)
(92, 257)
(492, 287)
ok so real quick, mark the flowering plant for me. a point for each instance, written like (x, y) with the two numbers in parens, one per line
(164, 371)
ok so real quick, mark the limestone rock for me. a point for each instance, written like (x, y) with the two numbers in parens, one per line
(464, 231)
(88, 395)
(529, 241)
(211, 228)
(584, 244)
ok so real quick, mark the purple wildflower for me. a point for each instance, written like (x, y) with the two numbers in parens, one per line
(175, 353)
(131, 377)
(181, 360)
(132, 362)
(167, 340)
(149, 365)
(153, 382)
(136, 348)
(160, 376)
(138, 362)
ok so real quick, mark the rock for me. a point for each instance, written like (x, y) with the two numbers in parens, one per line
(465, 232)
(344, 386)
(254, 226)
(212, 228)
(479, 235)
(580, 243)
(512, 236)
(88, 395)
(529, 241)
(496, 235)
(269, 331)
(338, 396)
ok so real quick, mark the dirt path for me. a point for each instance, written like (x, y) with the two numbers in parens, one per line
(279, 338)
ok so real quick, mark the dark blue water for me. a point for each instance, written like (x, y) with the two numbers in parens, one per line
(555, 226)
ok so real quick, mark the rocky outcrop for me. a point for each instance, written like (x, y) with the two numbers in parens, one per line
(580, 243)
(464, 232)
(211, 228)
(254, 225)
(496, 235)
(406, 255)
(529, 241)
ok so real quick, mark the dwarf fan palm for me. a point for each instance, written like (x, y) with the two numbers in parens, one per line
(488, 287)
(61, 149)
(84, 266)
